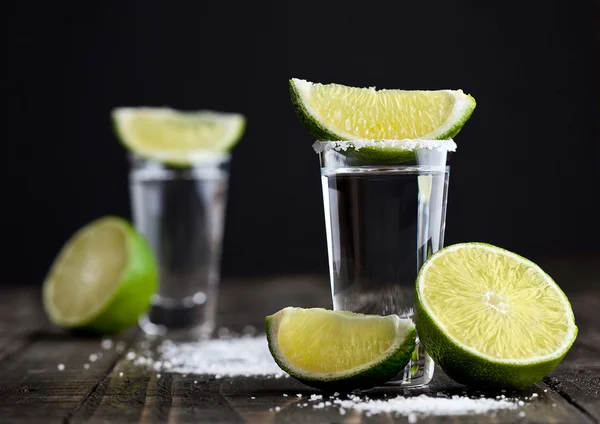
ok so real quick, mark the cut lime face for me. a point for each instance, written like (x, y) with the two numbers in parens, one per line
(339, 112)
(175, 137)
(491, 318)
(337, 349)
(102, 279)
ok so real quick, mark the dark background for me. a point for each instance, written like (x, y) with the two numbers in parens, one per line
(525, 176)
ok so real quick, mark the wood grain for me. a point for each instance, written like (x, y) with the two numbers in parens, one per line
(113, 389)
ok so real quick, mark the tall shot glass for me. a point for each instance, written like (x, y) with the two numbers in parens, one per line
(385, 214)
(181, 213)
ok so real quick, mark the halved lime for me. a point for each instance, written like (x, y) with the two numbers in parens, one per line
(339, 112)
(102, 279)
(337, 349)
(491, 318)
(176, 137)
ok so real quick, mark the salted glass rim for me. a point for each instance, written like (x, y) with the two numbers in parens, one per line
(405, 144)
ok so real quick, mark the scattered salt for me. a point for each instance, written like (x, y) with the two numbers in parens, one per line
(520, 403)
(195, 381)
(315, 397)
(106, 344)
(522, 414)
(121, 374)
(130, 355)
(224, 357)
(93, 357)
(425, 405)
(284, 395)
(412, 418)
(252, 397)
(61, 367)
(157, 375)
(298, 395)
(277, 408)
(534, 395)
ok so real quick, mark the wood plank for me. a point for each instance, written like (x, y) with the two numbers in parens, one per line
(33, 389)
(21, 316)
(577, 378)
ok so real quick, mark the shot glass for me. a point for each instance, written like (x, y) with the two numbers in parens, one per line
(385, 214)
(181, 213)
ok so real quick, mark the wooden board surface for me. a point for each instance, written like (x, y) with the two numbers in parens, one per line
(111, 388)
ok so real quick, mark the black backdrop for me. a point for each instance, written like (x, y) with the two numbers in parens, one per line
(525, 176)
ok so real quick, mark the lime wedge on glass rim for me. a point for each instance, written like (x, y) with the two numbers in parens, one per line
(174, 137)
(335, 112)
(102, 280)
(491, 318)
(337, 349)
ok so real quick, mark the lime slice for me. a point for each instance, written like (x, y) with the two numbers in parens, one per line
(491, 318)
(337, 349)
(102, 279)
(175, 137)
(339, 112)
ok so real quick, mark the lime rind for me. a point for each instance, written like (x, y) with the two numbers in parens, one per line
(188, 147)
(369, 375)
(469, 366)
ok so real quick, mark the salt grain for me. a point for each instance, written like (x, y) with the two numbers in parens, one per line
(61, 367)
(86, 366)
(412, 418)
(106, 344)
(120, 347)
(277, 408)
(284, 395)
(534, 395)
(522, 414)
(120, 374)
(93, 357)
(130, 355)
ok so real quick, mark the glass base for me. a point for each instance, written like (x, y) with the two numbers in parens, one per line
(176, 322)
(417, 373)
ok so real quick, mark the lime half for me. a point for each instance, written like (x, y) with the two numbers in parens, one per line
(491, 318)
(337, 349)
(339, 112)
(175, 137)
(102, 279)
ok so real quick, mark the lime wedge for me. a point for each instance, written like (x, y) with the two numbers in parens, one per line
(337, 349)
(102, 279)
(175, 137)
(339, 112)
(491, 318)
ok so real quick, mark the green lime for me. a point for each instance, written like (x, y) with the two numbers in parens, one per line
(176, 137)
(491, 318)
(337, 349)
(339, 112)
(335, 112)
(102, 279)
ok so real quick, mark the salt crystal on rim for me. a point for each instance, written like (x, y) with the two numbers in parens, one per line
(406, 144)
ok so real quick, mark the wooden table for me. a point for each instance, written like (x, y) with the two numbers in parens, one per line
(32, 389)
